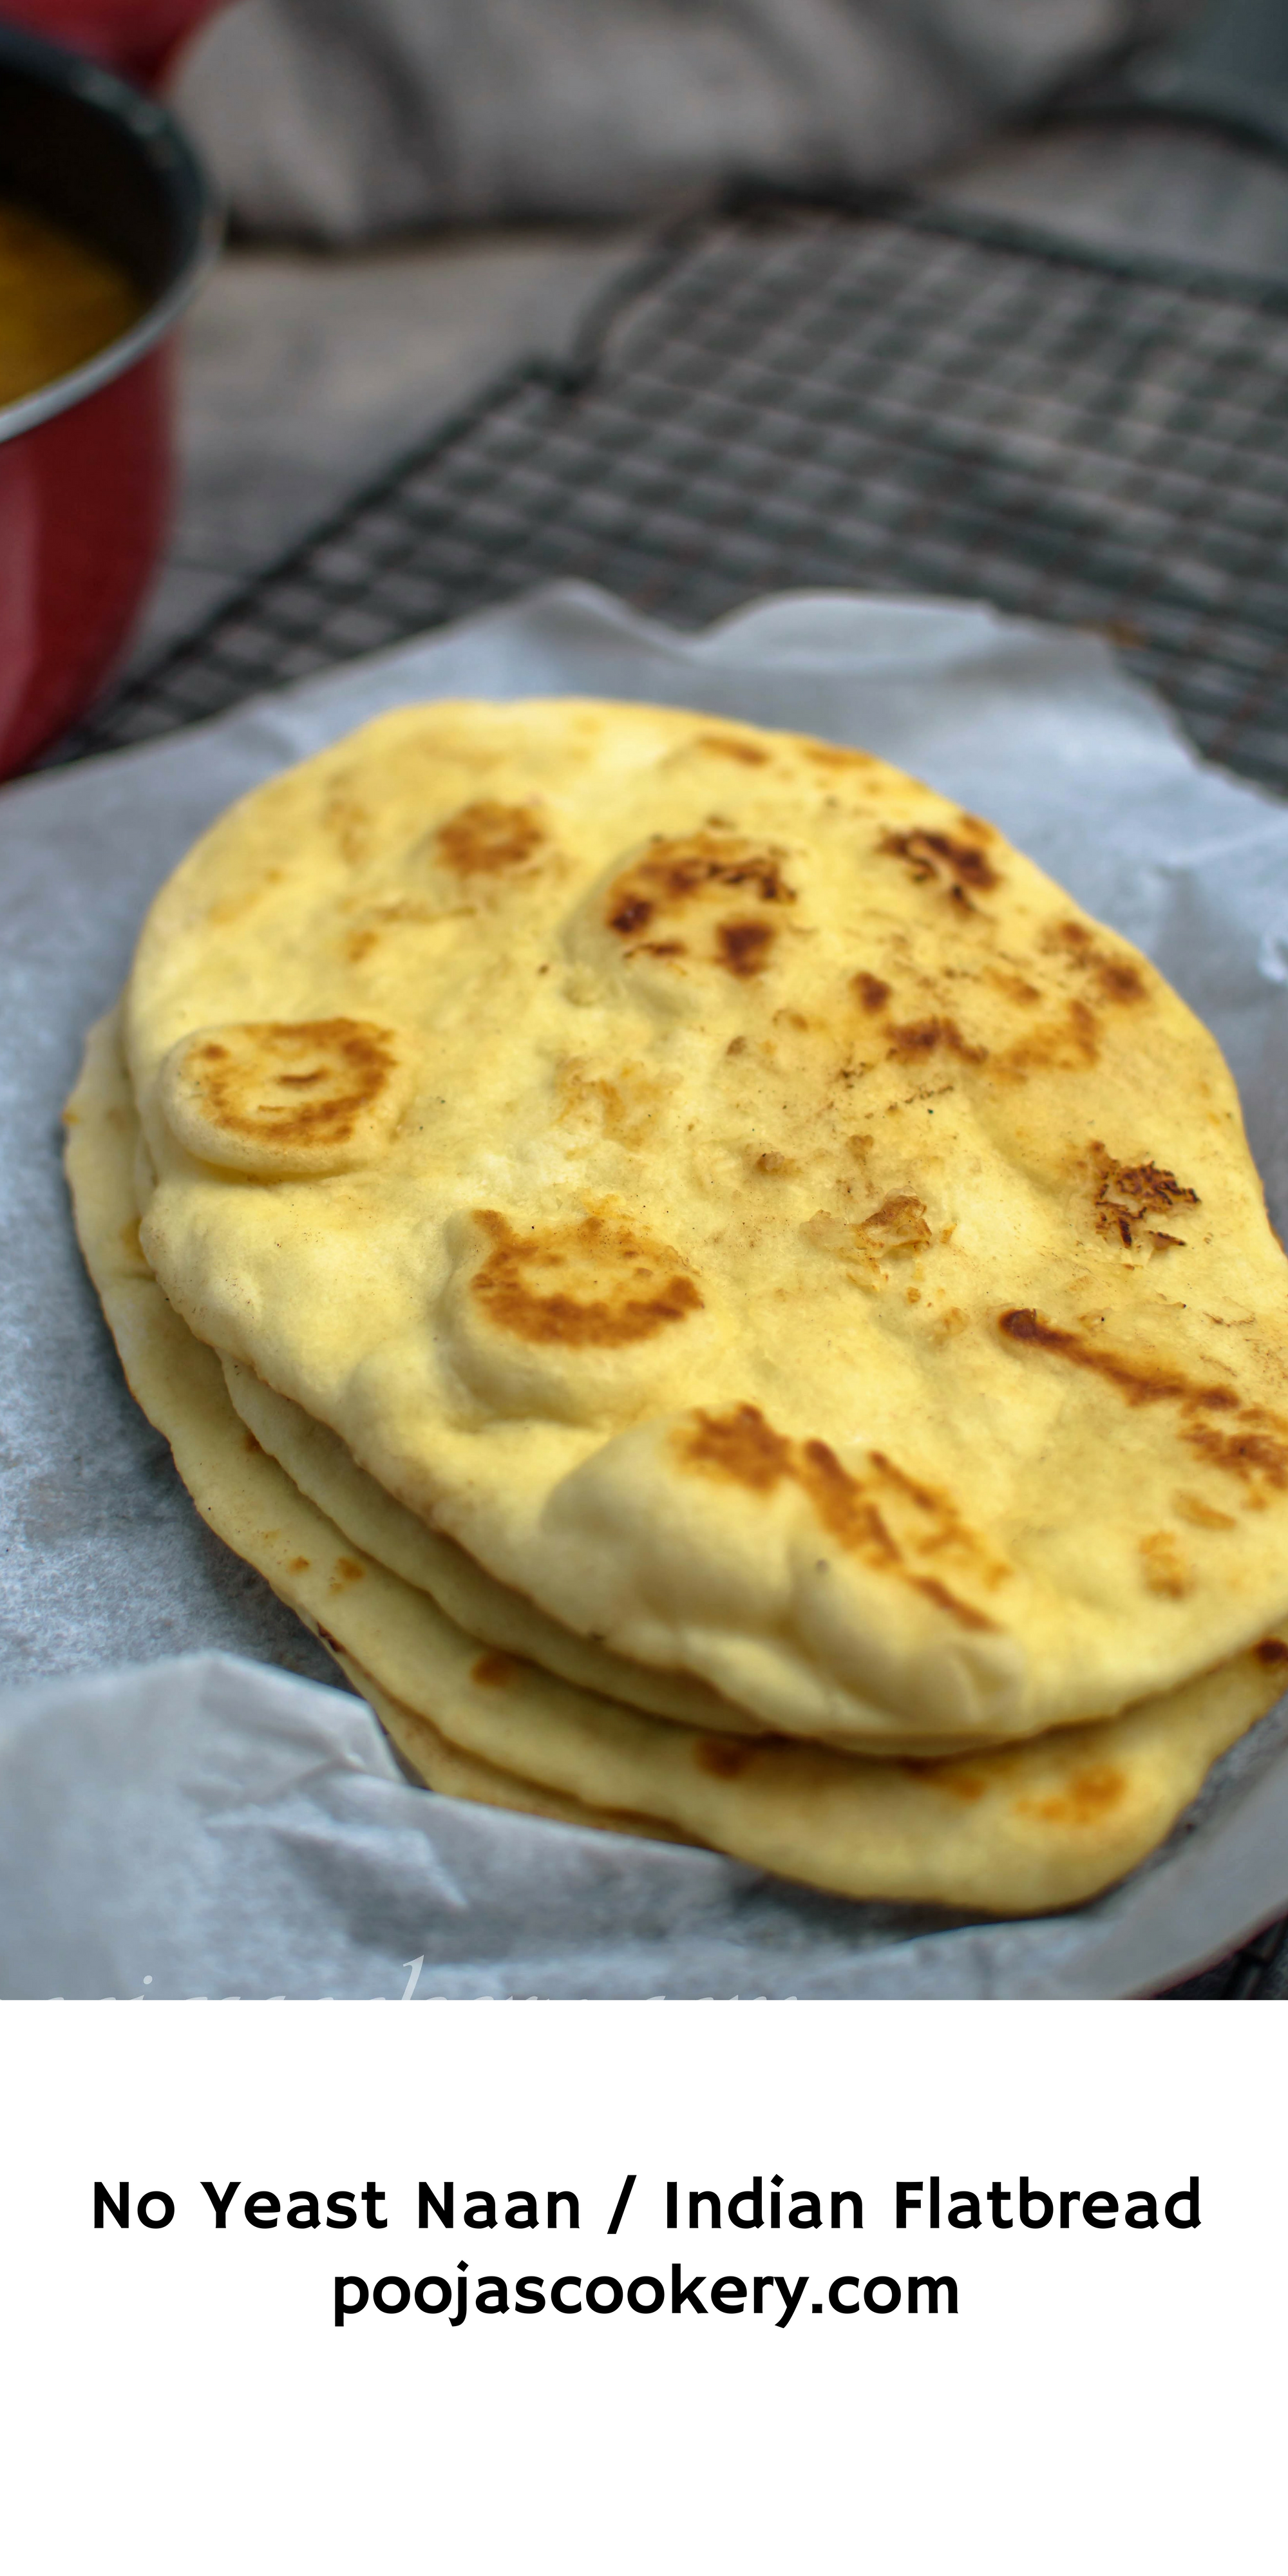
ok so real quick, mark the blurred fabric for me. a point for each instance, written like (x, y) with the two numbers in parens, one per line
(339, 120)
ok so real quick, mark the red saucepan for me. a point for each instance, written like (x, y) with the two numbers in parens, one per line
(137, 37)
(85, 462)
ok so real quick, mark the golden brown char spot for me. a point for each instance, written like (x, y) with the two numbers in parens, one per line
(898, 1225)
(740, 1445)
(493, 1671)
(731, 746)
(773, 1164)
(293, 1082)
(1017, 988)
(633, 913)
(934, 857)
(1119, 978)
(1163, 1567)
(926, 1498)
(736, 1046)
(1253, 1454)
(744, 1448)
(703, 868)
(1090, 1796)
(846, 1510)
(870, 991)
(1146, 1185)
(1073, 937)
(675, 871)
(1192, 1508)
(1271, 1650)
(1127, 1193)
(919, 1038)
(487, 839)
(331, 1643)
(743, 946)
(298, 1565)
(722, 1756)
(1055, 1046)
(603, 1285)
(963, 1611)
(831, 755)
(1141, 1381)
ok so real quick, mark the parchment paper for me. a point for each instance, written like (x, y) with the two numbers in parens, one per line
(214, 1828)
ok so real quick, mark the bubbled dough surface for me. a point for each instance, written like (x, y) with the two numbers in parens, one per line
(808, 1254)
(1012, 1831)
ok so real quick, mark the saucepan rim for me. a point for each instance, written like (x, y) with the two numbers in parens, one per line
(198, 223)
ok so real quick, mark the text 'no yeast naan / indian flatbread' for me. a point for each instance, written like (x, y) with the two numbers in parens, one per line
(740, 1201)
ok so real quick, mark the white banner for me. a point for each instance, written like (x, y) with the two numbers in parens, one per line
(603, 2286)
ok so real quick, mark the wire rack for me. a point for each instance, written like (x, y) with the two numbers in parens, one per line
(884, 398)
(825, 399)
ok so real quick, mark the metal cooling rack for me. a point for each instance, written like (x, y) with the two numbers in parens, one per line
(885, 399)
(814, 398)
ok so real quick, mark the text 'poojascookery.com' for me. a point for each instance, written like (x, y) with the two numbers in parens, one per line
(462, 2289)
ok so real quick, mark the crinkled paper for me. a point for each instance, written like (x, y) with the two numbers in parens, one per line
(185, 1809)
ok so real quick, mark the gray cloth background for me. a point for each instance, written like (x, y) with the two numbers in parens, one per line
(336, 120)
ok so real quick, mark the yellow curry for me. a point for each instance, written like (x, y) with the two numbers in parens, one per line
(60, 301)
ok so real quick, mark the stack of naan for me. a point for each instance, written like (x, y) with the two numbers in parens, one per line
(734, 1309)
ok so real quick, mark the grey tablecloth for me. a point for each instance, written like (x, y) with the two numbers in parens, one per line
(338, 119)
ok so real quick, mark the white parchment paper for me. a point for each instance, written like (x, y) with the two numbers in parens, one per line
(213, 1825)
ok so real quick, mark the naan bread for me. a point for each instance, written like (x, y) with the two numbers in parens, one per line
(738, 1199)
(322, 1468)
(1037, 1825)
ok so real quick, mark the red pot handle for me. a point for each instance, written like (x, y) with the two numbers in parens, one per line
(139, 38)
